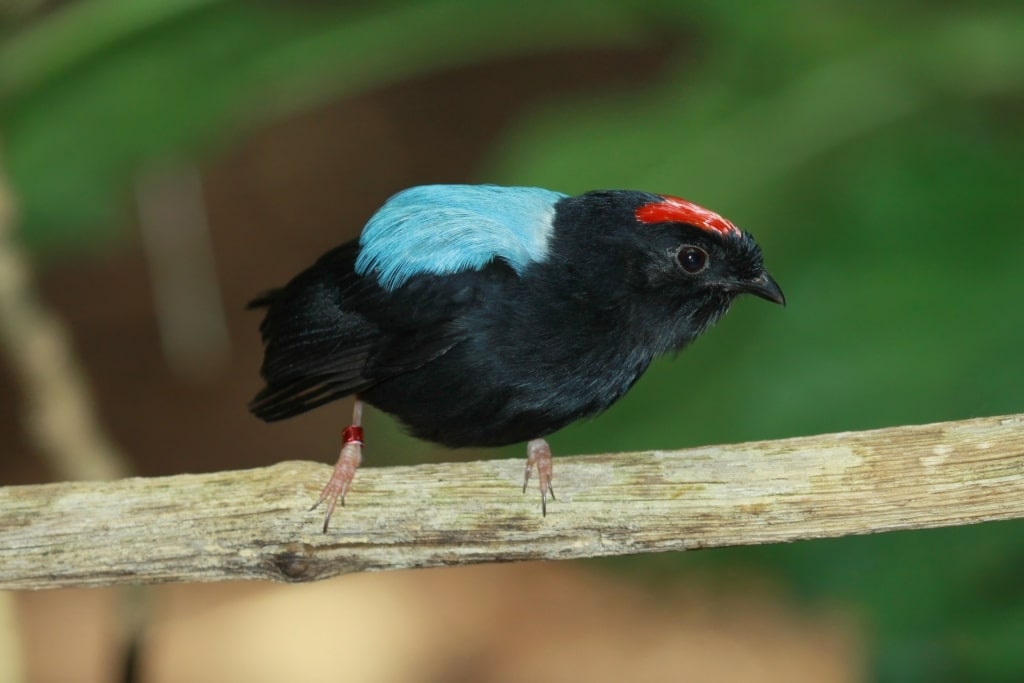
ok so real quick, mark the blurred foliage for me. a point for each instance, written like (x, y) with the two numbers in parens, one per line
(874, 148)
(95, 90)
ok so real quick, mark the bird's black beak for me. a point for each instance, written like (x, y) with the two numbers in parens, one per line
(765, 287)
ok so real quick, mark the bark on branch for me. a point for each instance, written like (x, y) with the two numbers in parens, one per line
(256, 524)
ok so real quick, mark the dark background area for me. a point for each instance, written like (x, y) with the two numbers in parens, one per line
(873, 148)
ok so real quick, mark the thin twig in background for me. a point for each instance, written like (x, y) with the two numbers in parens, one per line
(61, 416)
(256, 524)
(179, 256)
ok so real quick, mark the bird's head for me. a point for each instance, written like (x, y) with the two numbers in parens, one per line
(683, 264)
(702, 252)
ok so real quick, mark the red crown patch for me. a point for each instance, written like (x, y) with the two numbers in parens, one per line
(676, 210)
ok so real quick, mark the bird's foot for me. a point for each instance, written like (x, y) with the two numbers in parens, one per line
(538, 454)
(344, 470)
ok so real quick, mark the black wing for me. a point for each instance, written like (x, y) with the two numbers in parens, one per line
(330, 333)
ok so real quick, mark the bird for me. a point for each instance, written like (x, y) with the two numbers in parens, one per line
(487, 315)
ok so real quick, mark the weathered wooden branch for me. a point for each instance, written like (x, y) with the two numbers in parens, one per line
(256, 524)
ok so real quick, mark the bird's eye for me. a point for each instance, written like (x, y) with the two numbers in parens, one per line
(693, 259)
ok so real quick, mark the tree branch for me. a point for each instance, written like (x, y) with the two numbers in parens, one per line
(256, 524)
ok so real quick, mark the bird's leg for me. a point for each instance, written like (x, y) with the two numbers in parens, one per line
(345, 469)
(538, 454)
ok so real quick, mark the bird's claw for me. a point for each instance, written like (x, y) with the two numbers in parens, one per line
(538, 454)
(341, 479)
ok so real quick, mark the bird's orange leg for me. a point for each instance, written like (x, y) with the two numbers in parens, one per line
(538, 454)
(345, 469)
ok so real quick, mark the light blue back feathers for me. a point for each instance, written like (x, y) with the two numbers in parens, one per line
(442, 229)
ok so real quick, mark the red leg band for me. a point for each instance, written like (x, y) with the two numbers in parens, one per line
(352, 434)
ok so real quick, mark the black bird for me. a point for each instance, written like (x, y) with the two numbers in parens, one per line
(482, 315)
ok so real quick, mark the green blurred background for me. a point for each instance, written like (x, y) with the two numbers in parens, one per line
(876, 149)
